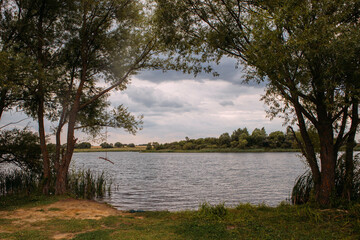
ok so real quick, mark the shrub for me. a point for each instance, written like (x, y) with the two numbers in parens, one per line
(22, 148)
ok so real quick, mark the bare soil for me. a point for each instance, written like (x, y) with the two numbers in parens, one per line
(63, 209)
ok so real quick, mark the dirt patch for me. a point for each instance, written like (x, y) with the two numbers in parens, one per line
(64, 209)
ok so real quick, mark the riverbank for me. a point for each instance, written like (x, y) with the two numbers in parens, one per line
(67, 218)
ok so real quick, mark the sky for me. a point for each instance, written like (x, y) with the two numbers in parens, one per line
(177, 105)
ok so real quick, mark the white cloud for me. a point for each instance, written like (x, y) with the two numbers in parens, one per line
(176, 109)
(183, 106)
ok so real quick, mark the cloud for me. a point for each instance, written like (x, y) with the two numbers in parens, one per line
(228, 69)
(226, 103)
(175, 109)
(175, 105)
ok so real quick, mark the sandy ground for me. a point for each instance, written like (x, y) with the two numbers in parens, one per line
(64, 209)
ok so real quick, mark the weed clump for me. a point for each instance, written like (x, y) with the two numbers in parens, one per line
(212, 212)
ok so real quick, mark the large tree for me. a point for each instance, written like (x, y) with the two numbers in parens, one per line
(306, 51)
(81, 51)
(108, 43)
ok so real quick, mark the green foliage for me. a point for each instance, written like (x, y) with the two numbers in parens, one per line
(239, 140)
(132, 145)
(83, 145)
(212, 212)
(149, 146)
(22, 148)
(118, 145)
(106, 145)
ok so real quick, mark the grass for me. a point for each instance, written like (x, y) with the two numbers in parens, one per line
(209, 222)
(14, 202)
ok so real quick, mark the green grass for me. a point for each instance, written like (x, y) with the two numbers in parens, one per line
(13, 202)
(209, 222)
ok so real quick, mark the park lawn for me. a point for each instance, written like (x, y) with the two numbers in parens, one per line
(209, 222)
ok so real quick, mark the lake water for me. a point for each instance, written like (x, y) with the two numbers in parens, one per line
(180, 181)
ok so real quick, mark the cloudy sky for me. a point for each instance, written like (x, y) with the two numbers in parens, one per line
(177, 105)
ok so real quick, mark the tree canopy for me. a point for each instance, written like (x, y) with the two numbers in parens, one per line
(306, 52)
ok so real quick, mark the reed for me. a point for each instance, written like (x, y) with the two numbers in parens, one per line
(19, 182)
(88, 185)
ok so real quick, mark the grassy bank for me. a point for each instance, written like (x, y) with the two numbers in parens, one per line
(209, 222)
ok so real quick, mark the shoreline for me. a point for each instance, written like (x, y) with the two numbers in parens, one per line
(217, 150)
(68, 218)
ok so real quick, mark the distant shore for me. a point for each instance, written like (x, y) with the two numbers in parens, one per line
(210, 150)
(205, 150)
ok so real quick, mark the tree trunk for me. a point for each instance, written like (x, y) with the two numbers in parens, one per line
(3, 94)
(328, 164)
(309, 151)
(61, 178)
(349, 153)
(44, 151)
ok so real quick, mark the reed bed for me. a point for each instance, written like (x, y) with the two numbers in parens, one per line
(19, 182)
(81, 183)
(88, 185)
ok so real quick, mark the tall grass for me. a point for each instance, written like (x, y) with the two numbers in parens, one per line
(303, 189)
(19, 182)
(88, 185)
(81, 183)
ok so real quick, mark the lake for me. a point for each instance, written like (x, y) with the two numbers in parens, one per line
(180, 181)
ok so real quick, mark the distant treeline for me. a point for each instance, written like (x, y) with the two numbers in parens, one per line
(239, 139)
(85, 145)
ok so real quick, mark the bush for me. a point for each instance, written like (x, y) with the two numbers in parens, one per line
(106, 145)
(131, 145)
(22, 148)
(83, 145)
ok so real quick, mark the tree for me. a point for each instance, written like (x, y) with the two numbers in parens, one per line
(22, 148)
(106, 145)
(307, 52)
(118, 144)
(276, 139)
(257, 138)
(79, 51)
(83, 145)
(224, 140)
